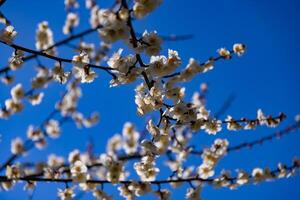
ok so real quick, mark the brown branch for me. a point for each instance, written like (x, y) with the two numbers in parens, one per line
(2, 2)
(57, 44)
(59, 59)
(277, 135)
(202, 64)
(134, 41)
(226, 105)
(274, 172)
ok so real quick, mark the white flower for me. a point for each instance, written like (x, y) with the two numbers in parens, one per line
(90, 4)
(7, 185)
(223, 52)
(146, 168)
(41, 79)
(17, 146)
(258, 174)
(55, 161)
(176, 94)
(220, 147)
(8, 34)
(79, 171)
(7, 79)
(130, 137)
(81, 60)
(68, 105)
(66, 194)
(163, 194)
(88, 186)
(44, 37)
(190, 71)
(150, 147)
(114, 144)
(125, 192)
(16, 60)
(161, 66)
(124, 68)
(213, 126)
(158, 66)
(153, 129)
(13, 171)
(81, 69)
(232, 124)
(193, 193)
(209, 65)
(74, 156)
(242, 177)
(17, 92)
(101, 195)
(173, 59)
(91, 120)
(261, 116)
(115, 172)
(59, 74)
(119, 63)
(34, 134)
(36, 99)
(239, 49)
(162, 142)
(52, 128)
(88, 48)
(143, 7)
(13, 106)
(114, 28)
(71, 4)
(151, 43)
(205, 171)
(71, 22)
(140, 189)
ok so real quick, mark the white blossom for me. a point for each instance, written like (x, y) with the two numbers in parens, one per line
(213, 126)
(17, 92)
(239, 49)
(52, 128)
(141, 8)
(79, 171)
(59, 74)
(193, 193)
(36, 99)
(146, 168)
(71, 22)
(44, 37)
(66, 194)
(8, 34)
(101, 195)
(17, 146)
(13, 106)
(55, 161)
(16, 60)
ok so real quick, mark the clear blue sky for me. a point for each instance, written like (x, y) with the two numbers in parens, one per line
(266, 77)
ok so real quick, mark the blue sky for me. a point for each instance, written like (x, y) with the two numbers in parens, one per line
(266, 77)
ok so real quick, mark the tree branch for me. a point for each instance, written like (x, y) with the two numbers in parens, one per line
(57, 44)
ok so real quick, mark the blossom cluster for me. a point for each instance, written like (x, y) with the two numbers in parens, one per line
(210, 158)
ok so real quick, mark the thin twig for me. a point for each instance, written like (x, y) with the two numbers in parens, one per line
(57, 44)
